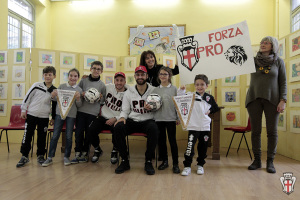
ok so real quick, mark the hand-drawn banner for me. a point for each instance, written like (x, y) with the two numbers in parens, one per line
(218, 53)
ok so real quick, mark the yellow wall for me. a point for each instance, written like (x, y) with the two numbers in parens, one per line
(3, 24)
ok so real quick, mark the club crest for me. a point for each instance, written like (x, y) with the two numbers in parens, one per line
(188, 52)
(288, 182)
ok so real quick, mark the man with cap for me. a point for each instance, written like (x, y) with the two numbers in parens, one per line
(109, 115)
(136, 116)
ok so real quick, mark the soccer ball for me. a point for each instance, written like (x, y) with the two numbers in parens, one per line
(154, 100)
(92, 95)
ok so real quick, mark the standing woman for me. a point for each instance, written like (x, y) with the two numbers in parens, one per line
(148, 60)
(267, 93)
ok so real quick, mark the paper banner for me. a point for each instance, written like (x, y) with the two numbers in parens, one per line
(184, 106)
(65, 100)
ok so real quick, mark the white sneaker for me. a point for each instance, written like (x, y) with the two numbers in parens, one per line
(186, 171)
(67, 161)
(47, 162)
(200, 170)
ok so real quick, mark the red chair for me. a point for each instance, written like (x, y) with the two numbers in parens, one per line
(15, 123)
(239, 129)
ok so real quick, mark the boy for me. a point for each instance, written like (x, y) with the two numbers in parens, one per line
(87, 112)
(199, 125)
(37, 104)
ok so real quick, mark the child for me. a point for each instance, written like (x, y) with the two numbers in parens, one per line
(199, 124)
(87, 112)
(73, 76)
(166, 119)
(36, 108)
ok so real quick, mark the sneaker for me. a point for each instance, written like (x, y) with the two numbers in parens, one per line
(47, 162)
(75, 160)
(149, 168)
(176, 169)
(200, 170)
(186, 171)
(124, 166)
(96, 155)
(41, 159)
(83, 158)
(163, 165)
(67, 161)
(24, 160)
(114, 157)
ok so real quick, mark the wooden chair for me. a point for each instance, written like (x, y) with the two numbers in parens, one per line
(240, 129)
(15, 123)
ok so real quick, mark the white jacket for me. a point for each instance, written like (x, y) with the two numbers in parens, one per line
(133, 104)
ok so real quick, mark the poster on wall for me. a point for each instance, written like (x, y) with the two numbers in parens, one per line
(41, 76)
(19, 56)
(294, 44)
(231, 96)
(18, 73)
(3, 57)
(295, 121)
(63, 74)
(18, 90)
(67, 60)
(87, 60)
(157, 38)
(217, 53)
(294, 74)
(294, 95)
(3, 73)
(231, 116)
(130, 80)
(282, 121)
(3, 90)
(3, 108)
(108, 78)
(109, 64)
(46, 58)
(231, 81)
(281, 48)
(169, 61)
(130, 63)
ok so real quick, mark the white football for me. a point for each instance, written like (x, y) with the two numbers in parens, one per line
(92, 95)
(155, 101)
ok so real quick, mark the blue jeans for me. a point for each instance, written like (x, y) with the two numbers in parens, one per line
(58, 125)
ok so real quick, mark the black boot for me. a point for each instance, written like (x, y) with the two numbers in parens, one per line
(124, 166)
(270, 166)
(163, 165)
(256, 164)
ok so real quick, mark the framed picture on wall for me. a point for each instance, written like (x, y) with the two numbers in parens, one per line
(18, 73)
(130, 80)
(46, 58)
(3, 90)
(282, 121)
(294, 42)
(87, 60)
(41, 76)
(3, 108)
(108, 78)
(231, 116)
(281, 48)
(230, 96)
(231, 81)
(294, 70)
(130, 64)
(63, 75)
(295, 121)
(109, 64)
(169, 61)
(18, 90)
(67, 60)
(3, 57)
(19, 56)
(294, 95)
(3, 73)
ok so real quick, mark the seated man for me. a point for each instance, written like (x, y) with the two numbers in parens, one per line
(109, 115)
(136, 117)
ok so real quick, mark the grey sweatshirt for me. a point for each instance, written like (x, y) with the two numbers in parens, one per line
(73, 111)
(271, 86)
(167, 112)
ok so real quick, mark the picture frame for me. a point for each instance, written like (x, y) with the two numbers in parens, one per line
(67, 60)
(130, 80)
(3, 108)
(282, 122)
(130, 64)
(18, 73)
(3, 57)
(3, 73)
(109, 64)
(169, 61)
(295, 121)
(231, 81)
(294, 47)
(19, 56)
(18, 90)
(294, 95)
(281, 48)
(231, 96)
(41, 77)
(87, 60)
(231, 116)
(157, 38)
(3, 90)
(63, 76)
(108, 78)
(294, 74)
(46, 58)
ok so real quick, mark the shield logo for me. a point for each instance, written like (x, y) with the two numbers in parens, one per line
(184, 109)
(288, 182)
(65, 101)
(188, 52)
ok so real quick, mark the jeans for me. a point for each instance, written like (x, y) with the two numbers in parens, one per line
(58, 125)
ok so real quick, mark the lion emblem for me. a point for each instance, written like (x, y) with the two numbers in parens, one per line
(236, 54)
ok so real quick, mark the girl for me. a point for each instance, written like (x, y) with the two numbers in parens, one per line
(73, 76)
(166, 119)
